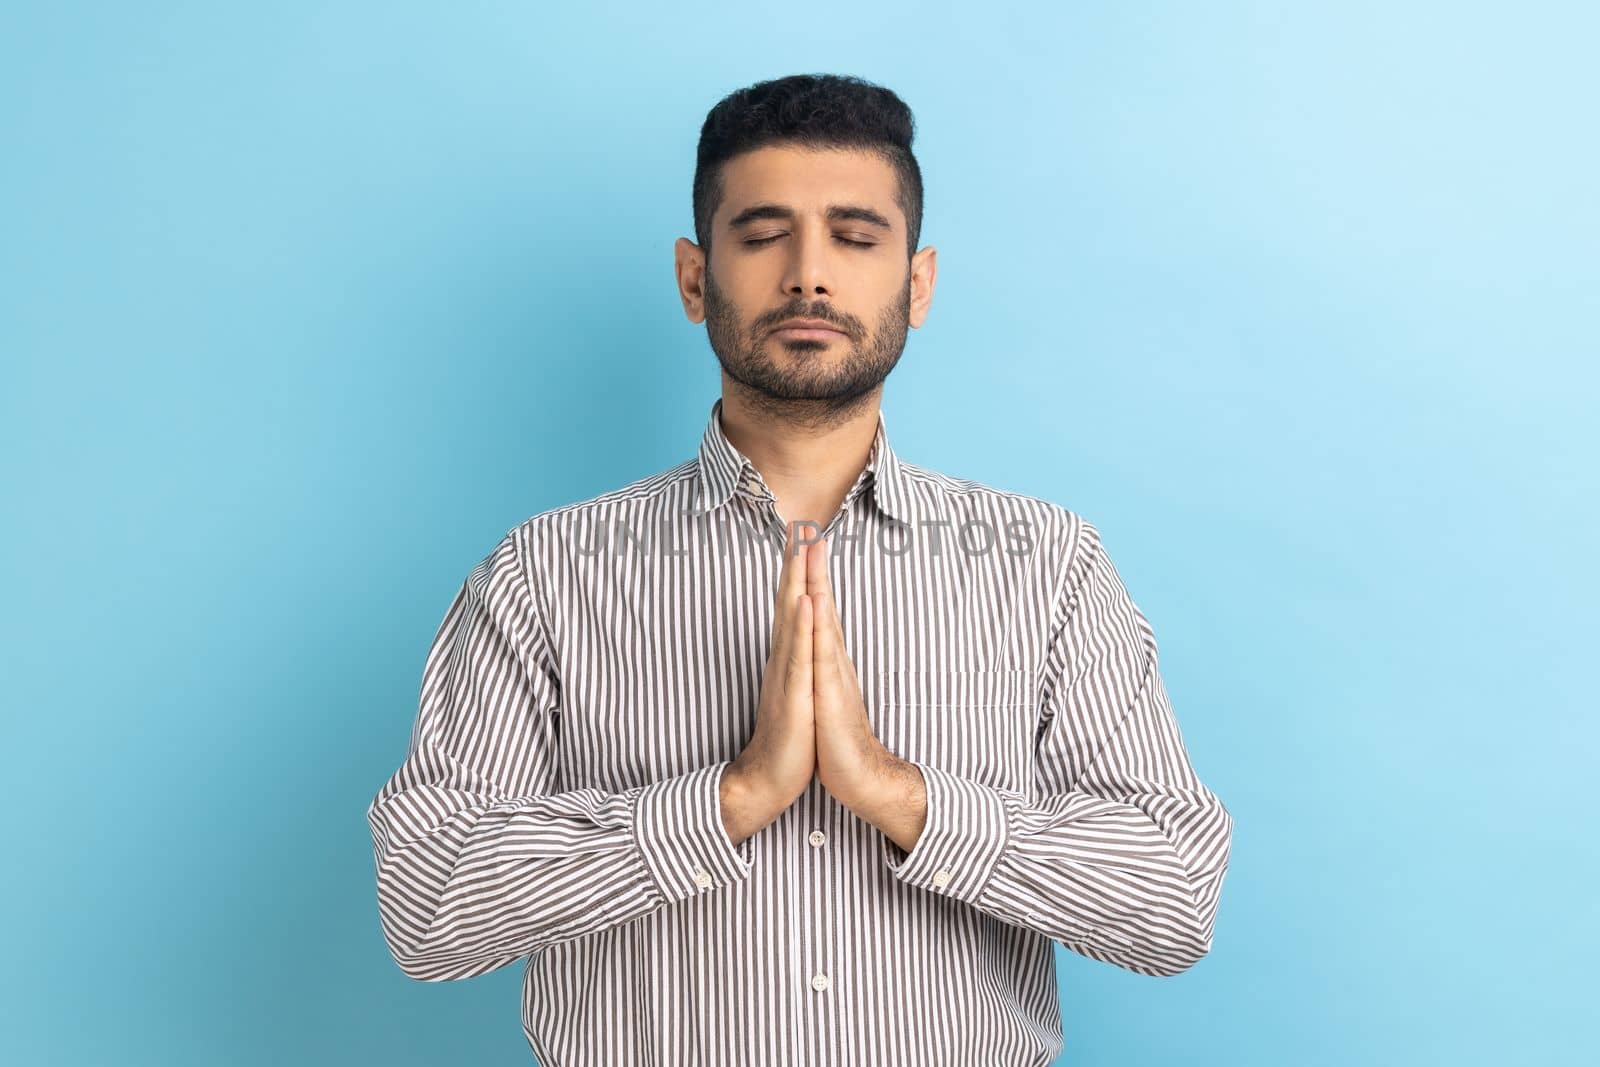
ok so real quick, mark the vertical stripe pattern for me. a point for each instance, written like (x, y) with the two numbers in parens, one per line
(596, 673)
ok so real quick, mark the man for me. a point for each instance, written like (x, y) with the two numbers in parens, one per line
(796, 752)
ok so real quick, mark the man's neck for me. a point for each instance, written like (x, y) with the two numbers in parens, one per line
(809, 459)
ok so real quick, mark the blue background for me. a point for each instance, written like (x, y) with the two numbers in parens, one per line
(305, 304)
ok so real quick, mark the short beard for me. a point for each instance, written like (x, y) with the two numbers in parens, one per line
(819, 398)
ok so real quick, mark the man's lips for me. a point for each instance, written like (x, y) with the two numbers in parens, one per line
(812, 330)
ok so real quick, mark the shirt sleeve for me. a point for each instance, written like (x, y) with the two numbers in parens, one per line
(481, 858)
(1120, 852)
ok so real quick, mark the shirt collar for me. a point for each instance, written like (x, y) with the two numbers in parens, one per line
(723, 469)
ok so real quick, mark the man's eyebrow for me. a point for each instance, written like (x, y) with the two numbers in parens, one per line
(836, 213)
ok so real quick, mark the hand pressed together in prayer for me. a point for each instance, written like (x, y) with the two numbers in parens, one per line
(813, 719)
(852, 764)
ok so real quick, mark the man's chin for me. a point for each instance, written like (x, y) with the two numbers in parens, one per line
(814, 393)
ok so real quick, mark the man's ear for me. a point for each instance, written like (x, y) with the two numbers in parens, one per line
(689, 261)
(924, 272)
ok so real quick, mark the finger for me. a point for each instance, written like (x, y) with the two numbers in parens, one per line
(835, 678)
(790, 584)
(849, 684)
(820, 589)
(826, 680)
(794, 555)
(799, 680)
(816, 571)
(792, 578)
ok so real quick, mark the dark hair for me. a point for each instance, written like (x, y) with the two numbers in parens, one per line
(812, 111)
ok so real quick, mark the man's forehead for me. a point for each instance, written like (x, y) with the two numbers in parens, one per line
(807, 180)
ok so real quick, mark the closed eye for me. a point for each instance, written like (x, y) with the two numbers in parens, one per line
(757, 241)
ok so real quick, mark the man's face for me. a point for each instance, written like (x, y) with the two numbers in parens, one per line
(806, 234)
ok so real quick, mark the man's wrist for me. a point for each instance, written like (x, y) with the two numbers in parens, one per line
(745, 807)
(896, 802)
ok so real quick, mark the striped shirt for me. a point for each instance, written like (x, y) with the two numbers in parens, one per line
(600, 668)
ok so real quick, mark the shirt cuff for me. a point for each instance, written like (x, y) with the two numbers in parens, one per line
(966, 831)
(678, 826)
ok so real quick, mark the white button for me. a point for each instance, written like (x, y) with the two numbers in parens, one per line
(819, 982)
(817, 837)
(941, 877)
(701, 878)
